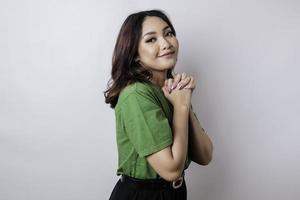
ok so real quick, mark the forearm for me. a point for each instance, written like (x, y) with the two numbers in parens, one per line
(201, 147)
(180, 137)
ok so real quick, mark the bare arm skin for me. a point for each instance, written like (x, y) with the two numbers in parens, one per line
(201, 147)
(169, 162)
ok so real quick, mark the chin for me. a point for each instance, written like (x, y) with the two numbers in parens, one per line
(170, 66)
(163, 66)
(166, 68)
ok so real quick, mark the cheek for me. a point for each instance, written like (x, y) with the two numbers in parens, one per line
(148, 53)
(175, 43)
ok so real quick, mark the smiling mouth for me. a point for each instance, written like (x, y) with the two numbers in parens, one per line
(171, 53)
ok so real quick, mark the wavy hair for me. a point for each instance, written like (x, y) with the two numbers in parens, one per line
(125, 70)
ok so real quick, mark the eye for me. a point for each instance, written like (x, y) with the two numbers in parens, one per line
(150, 40)
(170, 33)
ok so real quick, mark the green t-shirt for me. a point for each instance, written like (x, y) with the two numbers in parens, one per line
(143, 126)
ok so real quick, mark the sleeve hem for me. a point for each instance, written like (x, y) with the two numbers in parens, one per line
(156, 148)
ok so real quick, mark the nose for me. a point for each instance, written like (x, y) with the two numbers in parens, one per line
(165, 44)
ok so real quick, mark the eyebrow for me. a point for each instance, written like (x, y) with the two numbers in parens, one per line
(153, 32)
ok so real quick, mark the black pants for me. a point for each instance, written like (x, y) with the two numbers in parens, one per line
(125, 191)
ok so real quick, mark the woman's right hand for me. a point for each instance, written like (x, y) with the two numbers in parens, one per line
(178, 97)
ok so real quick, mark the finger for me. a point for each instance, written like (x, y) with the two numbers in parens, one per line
(176, 80)
(191, 84)
(169, 84)
(183, 75)
(165, 90)
(184, 82)
(166, 83)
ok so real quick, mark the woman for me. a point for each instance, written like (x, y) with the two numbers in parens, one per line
(158, 134)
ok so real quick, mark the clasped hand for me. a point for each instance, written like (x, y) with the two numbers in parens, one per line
(178, 90)
(180, 80)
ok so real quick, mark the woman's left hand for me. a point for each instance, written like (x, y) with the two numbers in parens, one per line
(183, 82)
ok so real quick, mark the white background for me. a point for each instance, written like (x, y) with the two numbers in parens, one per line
(57, 136)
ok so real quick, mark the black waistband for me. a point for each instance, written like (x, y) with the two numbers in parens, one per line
(158, 183)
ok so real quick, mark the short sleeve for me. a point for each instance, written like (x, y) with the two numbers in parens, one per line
(146, 125)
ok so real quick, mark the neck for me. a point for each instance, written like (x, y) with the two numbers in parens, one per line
(159, 78)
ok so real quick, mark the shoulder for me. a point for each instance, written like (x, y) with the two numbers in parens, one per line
(136, 91)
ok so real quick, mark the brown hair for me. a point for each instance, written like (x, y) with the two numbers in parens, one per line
(125, 70)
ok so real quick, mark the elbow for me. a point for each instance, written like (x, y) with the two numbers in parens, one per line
(173, 173)
(203, 159)
(172, 176)
(207, 160)
(208, 155)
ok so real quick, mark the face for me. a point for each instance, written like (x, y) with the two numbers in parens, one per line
(157, 39)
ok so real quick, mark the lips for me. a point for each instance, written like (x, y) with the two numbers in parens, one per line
(167, 53)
